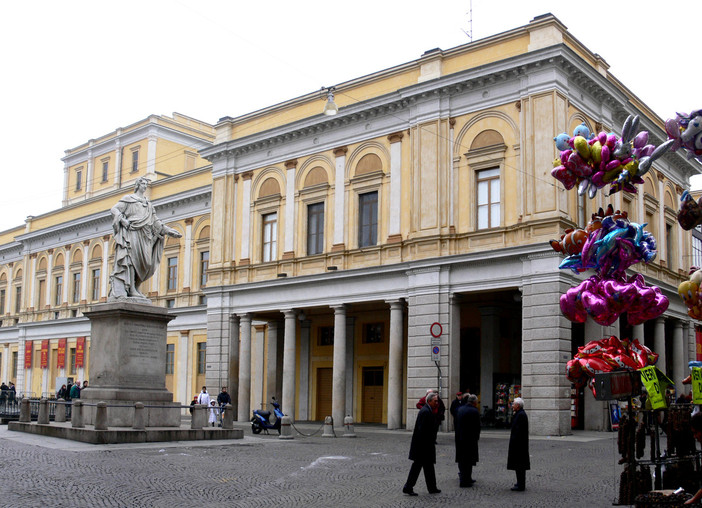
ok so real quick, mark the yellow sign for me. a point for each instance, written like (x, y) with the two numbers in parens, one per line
(656, 396)
(696, 385)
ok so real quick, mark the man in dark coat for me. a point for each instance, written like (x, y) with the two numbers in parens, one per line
(467, 435)
(423, 448)
(518, 456)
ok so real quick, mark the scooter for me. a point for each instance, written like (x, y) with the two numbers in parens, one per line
(261, 419)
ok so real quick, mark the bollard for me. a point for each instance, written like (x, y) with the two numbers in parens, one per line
(228, 417)
(286, 428)
(77, 414)
(101, 416)
(199, 417)
(328, 427)
(43, 418)
(60, 416)
(348, 427)
(138, 423)
(25, 416)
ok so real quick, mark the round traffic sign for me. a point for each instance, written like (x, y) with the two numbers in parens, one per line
(436, 330)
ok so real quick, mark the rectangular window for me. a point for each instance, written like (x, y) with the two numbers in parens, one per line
(315, 229)
(368, 219)
(15, 356)
(135, 161)
(18, 299)
(40, 296)
(326, 336)
(172, 273)
(373, 333)
(79, 180)
(2, 301)
(170, 358)
(72, 361)
(270, 235)
(75, 298)
(488, 198)
(204, 264)
(201, 357)
(59, 289)
(105, 168)
(95, 291)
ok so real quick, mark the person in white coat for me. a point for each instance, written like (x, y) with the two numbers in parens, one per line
(204, 397)
(213, 413)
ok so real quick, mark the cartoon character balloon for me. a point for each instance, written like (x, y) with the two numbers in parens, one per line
(592, 162)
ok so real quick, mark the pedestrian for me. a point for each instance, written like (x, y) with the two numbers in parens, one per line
(75, 390)
(467, 436)
(223, 399)
(456, 404)
(696, 427)
(204, 397)
(518, 456)
(423, 448)
(213, 413)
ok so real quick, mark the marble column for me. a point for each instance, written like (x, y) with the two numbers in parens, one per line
(289, 345)
(395, 365)
(679, 365)
(659, 344)
(339, 367)
(244, 389)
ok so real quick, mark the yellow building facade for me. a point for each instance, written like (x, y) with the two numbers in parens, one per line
(344, 264)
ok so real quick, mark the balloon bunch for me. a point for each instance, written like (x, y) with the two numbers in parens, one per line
(592, 162)
(690, 213)
(685, 131)
(607, 355)
(609, 244)
(606, 299)
(691, 293)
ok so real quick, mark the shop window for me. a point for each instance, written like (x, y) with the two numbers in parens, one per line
(488, 198)
(315, 229)
(270, 235)
(326, 336)
(170, 358)
(368, 219)
(373, 333)
(201, 357)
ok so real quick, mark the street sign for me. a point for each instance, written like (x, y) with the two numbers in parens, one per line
(435, 350)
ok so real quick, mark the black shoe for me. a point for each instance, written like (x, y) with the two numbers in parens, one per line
(409, 491)
(517, 488)
(435, 491)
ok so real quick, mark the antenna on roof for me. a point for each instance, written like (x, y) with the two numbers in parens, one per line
(469, 32)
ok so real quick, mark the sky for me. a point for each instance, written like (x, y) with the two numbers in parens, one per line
(78, 69)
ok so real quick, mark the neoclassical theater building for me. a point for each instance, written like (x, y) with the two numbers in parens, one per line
(345, 264)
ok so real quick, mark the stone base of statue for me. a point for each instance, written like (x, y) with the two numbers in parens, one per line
(128, 364)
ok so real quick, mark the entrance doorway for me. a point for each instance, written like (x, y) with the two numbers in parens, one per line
(324, 393)
(372, 408)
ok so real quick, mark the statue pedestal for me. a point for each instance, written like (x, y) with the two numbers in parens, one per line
(128, 364)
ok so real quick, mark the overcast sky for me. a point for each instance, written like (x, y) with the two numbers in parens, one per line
(75, 70)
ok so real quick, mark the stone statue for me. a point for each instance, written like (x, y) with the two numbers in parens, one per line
(139, 239)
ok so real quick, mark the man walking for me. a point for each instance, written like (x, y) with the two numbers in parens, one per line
(467, 436)
(423, 448)
(518, 456)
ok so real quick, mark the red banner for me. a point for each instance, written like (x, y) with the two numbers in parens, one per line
(28, 354)
(44, 353)
(80, 351)
(698, 342)
(61, 354)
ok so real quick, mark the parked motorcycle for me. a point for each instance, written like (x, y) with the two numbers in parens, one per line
(262, 419)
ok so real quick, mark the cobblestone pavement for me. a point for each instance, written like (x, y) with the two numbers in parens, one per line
(573, 471)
